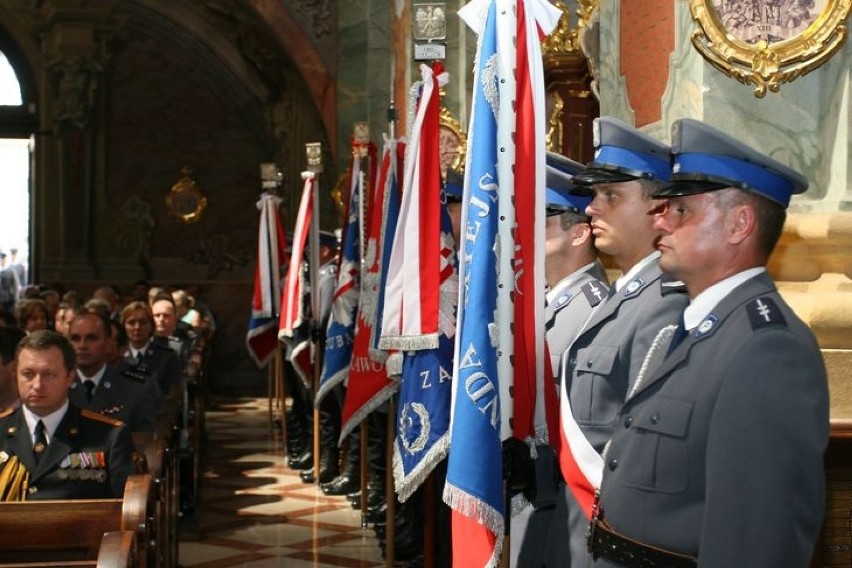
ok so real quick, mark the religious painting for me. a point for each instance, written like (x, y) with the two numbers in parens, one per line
(768, 42)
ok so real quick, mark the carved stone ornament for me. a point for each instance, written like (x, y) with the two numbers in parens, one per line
(186, 201)
(768, 43)
(430, 22)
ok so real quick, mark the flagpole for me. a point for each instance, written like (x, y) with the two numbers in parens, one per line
(361, 140)
(313, 151)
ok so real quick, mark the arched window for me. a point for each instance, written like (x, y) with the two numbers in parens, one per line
(15, 187)
(10, 87)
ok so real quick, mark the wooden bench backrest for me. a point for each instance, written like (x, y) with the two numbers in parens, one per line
(69, 530)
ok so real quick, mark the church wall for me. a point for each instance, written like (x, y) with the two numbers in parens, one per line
(166, 85)
(806, 125)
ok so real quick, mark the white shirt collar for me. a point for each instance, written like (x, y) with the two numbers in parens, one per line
(144, 349)
(51, 421)
(96, 377)
(701, 306)
(637, 268)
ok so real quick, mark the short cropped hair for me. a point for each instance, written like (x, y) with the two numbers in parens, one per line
(45, 339)
(770, 216)
(134, 307)
(101, 317)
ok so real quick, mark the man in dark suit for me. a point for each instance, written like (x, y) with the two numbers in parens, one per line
(718, 456)
(605, 358)
(99, 388)
(55, 450)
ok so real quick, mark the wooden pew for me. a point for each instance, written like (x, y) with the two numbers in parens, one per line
(71, 532)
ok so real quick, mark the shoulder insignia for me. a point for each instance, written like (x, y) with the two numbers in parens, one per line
(8, 411)
(595, 292)
(91, 415)
(562, 300)
(763, 312)
(633, 287)
(670, 285)
(706, 326)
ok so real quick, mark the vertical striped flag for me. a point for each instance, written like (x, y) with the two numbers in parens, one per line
(262, 336)
(295, 307)
(410, 319)
(369, 385)
(500, 340)
(423, 412)
(344, 304)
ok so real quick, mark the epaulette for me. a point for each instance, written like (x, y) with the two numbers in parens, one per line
(671, 285)
(763, 312)
(91, 415)
(595, 292)
(8, 412)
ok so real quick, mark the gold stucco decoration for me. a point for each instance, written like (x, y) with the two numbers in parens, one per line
(767, 44)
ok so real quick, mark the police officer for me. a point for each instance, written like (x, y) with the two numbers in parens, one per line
(717, 459)
(605, 358)
(576, 284)
(575, 277)
(52, 449)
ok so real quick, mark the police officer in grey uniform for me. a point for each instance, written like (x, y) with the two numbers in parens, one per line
(717, 459)
(605, 358)
(49, 448)
(576, 279)
(576, 284)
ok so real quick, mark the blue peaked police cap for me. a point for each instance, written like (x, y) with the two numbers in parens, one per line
(623, 153)
(559, 194)
(706, 159)
(453, 185)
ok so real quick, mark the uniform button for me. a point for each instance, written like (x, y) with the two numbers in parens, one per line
(655, 419)
(32, 490)
(628, 422)
(613, 463)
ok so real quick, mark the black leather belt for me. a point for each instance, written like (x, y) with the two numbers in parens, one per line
(606, 543)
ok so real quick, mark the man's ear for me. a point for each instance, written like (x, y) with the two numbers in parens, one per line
(580, 233)
(742, 223)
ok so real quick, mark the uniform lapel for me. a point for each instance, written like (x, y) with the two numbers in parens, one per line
(757, 286)
(631, 289)
(20, 441)
(104, 397)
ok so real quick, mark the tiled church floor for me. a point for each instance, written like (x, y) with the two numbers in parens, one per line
(255, 511)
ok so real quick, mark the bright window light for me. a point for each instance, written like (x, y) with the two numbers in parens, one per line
(10, 88)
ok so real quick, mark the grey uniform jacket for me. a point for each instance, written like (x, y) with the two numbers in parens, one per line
(605, 357)
(719, 453)
(59, 474)
(598, 368)
(569, 304)
(120, 397)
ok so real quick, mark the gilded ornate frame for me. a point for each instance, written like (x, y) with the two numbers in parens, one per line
(767, 64)
(186, 202)
(452, 141)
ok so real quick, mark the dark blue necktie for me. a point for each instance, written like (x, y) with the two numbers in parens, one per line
(680, 333)
(40, 441)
